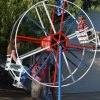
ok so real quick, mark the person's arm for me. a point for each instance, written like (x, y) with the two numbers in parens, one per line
(14, 55)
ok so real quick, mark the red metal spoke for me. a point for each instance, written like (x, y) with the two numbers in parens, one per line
(80, 46)
(53, 18)
(54, 44)
(60, 37)
(30, 39)
(55, 39)
(63, 41)
(65, 48)
(62, 17)
(58, 43)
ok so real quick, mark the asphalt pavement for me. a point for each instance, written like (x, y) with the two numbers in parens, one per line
(8, 92)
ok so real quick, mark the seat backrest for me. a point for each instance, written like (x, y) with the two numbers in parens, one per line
(8, 62)
(82, 36)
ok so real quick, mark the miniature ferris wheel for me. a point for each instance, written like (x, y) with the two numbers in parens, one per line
(56, 41)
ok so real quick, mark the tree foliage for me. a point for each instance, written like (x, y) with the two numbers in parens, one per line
(91, 5)
(10, 10)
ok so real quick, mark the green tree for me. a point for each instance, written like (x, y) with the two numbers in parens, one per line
(9, 12)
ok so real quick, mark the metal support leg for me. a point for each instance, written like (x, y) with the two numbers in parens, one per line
(60, 72)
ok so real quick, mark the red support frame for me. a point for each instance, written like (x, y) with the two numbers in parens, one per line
(62, 17)
(53, 18)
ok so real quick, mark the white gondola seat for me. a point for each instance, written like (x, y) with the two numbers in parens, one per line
(12, 66)
(84, 36)
(16, 70)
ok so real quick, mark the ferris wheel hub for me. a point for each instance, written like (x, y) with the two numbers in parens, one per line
(54, 40)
